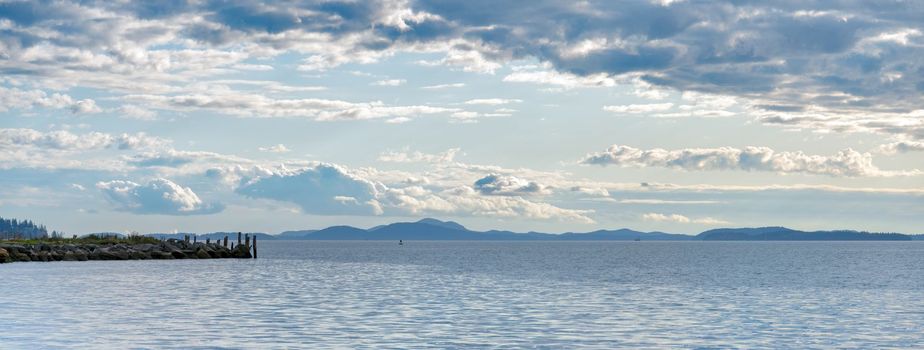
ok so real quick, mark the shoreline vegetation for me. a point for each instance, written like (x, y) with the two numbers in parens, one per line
(133, 247)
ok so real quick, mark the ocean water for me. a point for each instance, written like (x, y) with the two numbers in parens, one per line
(549, 295)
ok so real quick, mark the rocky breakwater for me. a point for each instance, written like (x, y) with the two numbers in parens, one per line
(165, 250)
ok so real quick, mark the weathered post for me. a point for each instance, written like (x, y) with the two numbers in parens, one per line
(238, 238)
(207, 241)
(226, 241)
(254, 246)
(247, 240)
(195, 237)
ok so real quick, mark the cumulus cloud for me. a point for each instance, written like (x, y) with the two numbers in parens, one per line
(158, 196)
(13, 98)
(902, 147)
(318, 190)
(335, 190)
(844, 163)
(467, 201)
(506, 185)
(677, 218)
(595, 191)
(85, 106)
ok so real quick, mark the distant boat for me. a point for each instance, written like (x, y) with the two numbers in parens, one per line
(637, 239)
(400, 242)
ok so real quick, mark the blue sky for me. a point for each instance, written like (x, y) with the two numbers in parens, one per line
(677, 116)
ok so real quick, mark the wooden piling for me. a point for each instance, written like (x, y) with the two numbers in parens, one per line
(226, 241)
(254, 246)
(238, 238)
(195, 237)
(247, 240)
(207, 241)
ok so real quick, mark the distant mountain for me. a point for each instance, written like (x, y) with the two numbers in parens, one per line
(447, 224)
(787, 234)
(294, 234)
(436, 230)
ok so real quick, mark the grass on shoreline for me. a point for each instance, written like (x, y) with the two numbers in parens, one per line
(90, 239)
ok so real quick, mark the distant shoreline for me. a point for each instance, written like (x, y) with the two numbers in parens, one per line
(432, 229)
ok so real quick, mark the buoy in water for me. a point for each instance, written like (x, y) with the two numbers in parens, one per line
(400, 242)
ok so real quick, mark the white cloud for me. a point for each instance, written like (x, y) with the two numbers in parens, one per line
(389, 82)
(85, 106)
(443, 86)
(592, 191)
(470, 61)
(259, 106)
(507, 185)
(67, 141)
(13, 98)
(639, 108)
(335, 190)
(317, 189)
(466, 201)
(406, 156)
(135, 112)
(902, 147)
(158, 196)
(561, 80)
(845, 163)
(492, 101)
(279, 148)
(677, 218)
(253, 67)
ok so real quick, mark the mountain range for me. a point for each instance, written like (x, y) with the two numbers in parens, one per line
(433, 229)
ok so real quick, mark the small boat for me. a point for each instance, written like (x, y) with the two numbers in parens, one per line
(400, 242)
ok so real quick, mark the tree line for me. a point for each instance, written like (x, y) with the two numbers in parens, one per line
(13, 228)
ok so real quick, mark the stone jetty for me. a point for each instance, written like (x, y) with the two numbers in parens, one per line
(165, 250)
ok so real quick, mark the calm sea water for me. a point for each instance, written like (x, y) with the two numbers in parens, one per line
(555, 295)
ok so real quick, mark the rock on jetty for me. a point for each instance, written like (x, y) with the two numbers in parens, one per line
(169, 249)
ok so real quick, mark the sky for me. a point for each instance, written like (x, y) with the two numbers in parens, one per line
(553, 116)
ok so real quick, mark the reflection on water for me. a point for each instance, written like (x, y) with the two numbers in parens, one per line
(479, 294)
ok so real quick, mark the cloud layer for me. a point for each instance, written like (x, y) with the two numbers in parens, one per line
(845, 163)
